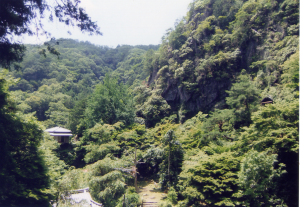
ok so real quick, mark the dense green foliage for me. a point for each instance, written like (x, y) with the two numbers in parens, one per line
(171, 164)
(212, 181)
(190, 110)
(256, 176)
(22, 169)
(55, 89)
(17, 18)
(109, 104)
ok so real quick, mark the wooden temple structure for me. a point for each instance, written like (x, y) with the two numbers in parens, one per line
(266, 100)
(61, 135)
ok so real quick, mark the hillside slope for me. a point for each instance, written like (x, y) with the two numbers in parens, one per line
(201, 58)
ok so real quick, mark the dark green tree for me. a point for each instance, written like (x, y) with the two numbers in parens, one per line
(150, 61)
(256, 178)
(276, 128)
(171, 165)
(129, 199)
(212, 181)
(107, 185)
(218, 126)
(109, 104)
(22, 170)
(153, 157)
(243, 97)
(154, 107)
(16, 18)
(291, 72)
(76, 114)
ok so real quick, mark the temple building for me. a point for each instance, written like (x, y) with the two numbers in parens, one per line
(266, 100)
(61, 135)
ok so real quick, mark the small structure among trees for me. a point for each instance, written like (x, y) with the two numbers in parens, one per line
(61, 135)
(266, 100)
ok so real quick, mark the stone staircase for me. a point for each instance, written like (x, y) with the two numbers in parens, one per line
(149, 204)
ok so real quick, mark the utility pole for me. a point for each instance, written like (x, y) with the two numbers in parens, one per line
(169, 161)
(124, 205)
(133, 170)
(169, 138)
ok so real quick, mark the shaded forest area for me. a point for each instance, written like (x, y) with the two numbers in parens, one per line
(191, 108)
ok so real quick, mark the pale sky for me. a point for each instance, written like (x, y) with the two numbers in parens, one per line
(131, 22)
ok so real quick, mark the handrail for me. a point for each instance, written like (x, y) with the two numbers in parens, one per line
(94, 202)
(149, 203)
(82, 190)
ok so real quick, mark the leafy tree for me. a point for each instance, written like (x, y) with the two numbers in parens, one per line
(17, 17)
(276, 128)
(56, 168)
(243, 97)
(192, 137)
(150, 61)
(96, 152)
(132, 199)
(153, 158)
(175, 38)
(256, 178)
(22, 169)
(154, 109)
(171, 165)
(76, 114)
(71, 180)
(128, 138)
(212, 181)
(172, 195)
(58, 114)
(107, 185)
(291, 71)
(131, 68)
(219, 126)
(39, 103)
(109, 104)
(141, 95)
(221, 118)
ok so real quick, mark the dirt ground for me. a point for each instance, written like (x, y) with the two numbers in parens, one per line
(149, 192)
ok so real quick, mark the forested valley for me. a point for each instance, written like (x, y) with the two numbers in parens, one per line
(212, 112)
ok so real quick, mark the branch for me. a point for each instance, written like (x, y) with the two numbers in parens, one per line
(228, 137)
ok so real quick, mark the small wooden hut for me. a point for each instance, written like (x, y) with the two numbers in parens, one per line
(61, 135)
(266, 100)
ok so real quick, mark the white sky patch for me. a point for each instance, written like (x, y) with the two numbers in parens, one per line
(131, 22)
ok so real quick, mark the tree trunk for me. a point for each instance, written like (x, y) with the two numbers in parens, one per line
(135, 174)
(169, 162)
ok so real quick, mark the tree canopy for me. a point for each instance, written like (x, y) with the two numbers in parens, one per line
(25, 17)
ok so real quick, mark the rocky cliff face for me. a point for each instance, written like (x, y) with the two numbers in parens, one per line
(200, 59)
(204, 95)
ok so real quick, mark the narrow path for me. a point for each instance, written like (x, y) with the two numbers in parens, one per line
(150, 193)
